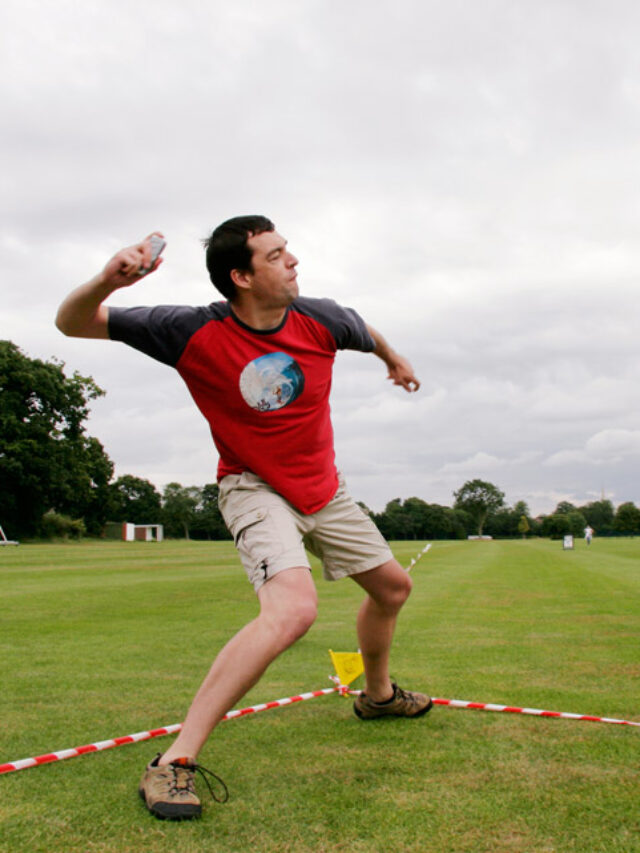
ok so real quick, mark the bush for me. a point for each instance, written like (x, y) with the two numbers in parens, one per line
(58, 526)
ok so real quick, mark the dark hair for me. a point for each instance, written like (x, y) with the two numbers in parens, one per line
(227, 250)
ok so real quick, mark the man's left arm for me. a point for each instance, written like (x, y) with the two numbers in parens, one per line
(400, 371)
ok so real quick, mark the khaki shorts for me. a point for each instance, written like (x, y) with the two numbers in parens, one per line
(271, 535)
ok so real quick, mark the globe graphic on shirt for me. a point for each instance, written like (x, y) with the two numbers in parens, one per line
(271, 382)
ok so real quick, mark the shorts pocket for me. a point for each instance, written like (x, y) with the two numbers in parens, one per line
(243, 522)
(253, 534)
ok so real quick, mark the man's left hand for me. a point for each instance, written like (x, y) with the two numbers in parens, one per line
(401, 373)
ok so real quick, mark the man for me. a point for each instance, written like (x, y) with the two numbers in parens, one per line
(259, 368)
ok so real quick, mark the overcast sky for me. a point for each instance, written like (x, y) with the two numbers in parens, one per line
(465, 175)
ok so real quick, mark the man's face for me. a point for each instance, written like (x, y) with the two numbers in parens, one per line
(273, 281)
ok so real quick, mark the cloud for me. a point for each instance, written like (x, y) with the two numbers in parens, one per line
(568, 457)
(478, 464)
(614, 444)
(464, 177)
(607, 447)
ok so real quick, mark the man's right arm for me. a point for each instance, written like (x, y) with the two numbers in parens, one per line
(82, 314)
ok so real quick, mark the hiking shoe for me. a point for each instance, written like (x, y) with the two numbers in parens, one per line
(169, 792)
(403, 703)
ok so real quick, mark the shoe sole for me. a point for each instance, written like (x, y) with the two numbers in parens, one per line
(171, 811)
(420, 713)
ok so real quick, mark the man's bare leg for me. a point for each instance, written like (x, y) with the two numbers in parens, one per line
(387, 587)
(288, 606)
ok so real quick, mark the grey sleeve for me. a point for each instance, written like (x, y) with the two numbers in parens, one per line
(161, 332)
(346, 326)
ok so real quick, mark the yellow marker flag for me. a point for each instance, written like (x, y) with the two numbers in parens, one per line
(348, 665)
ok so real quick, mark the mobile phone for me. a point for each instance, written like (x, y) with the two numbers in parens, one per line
(157, 246)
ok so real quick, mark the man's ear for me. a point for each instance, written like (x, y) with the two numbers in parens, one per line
(241, 279)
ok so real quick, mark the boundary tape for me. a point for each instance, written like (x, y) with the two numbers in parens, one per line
(63, 754)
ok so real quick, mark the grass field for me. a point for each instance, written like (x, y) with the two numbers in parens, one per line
(99, 640)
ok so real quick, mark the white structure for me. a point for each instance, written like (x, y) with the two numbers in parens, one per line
(142, 532)
(4, 540)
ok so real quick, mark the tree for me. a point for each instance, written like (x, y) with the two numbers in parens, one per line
(507, 521)
(564, 508)
(521, 508)
(135, 500)
(82, 487)
(479, 499)
(500, 524)
(441, 522)
(392, 521)
(627, 519)
(416, 519)
(179, 508)
(576, 522)
(461, 523)
(47, 462)
(523, 526)
(208, 522)
(600, 516)
(415, 512)
(559, 524)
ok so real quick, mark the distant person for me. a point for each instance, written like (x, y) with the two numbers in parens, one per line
(588, 534)
(259, 368)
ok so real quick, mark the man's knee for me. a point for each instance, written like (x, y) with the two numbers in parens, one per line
(399, 588)
(389, 585)
(297, 617)
(289, 603)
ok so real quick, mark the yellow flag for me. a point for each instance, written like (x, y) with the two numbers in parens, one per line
(348, 665)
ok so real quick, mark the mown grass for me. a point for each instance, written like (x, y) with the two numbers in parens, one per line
(103, 639)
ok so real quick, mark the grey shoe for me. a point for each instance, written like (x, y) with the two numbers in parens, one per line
(169, 790)
(404, 703)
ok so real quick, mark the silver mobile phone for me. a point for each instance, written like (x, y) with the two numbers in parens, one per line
(157, 246)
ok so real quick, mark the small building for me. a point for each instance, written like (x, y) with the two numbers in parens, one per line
(128, 532)
(142, 532)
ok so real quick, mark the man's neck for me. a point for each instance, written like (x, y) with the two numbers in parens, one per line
(261, 319)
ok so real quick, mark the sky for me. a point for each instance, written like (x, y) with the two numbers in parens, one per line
(464, 175)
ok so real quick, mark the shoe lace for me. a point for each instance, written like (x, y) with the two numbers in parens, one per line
(204, 773)
(405, 695)
(182, 780)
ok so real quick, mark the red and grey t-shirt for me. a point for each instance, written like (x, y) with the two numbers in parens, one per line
(265, 394)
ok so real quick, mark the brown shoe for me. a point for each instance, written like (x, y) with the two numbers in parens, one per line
(403, 703)
(169, 790)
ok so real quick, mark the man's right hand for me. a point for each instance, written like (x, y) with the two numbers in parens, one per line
(82, 314)
(130, 264)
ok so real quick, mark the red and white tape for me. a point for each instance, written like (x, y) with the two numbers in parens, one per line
(418, 556)
(61, 755)
(535, 712)
(513, 709)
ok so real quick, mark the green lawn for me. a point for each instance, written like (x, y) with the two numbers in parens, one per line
(99, 640)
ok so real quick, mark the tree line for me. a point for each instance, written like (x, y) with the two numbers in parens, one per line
(416, 519)
(55, 480)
